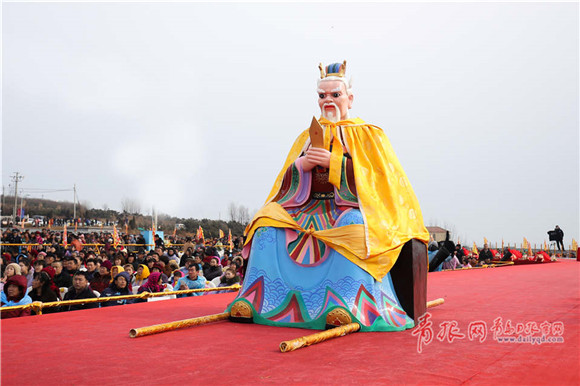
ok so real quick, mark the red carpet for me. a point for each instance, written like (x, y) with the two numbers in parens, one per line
(93, 347)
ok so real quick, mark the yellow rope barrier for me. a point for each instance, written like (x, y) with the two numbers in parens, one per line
(494, 265)
(163, 327)
(304, 341)
(144, 295)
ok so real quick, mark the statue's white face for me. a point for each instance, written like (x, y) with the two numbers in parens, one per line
(333, 100)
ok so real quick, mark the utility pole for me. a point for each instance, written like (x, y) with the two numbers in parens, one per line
(155, 219)
(21, 207)
(75, 202)
(16, 178)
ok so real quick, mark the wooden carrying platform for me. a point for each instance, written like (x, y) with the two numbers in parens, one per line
(409, 275)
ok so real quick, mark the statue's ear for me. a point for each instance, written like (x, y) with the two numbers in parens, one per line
(350, 99)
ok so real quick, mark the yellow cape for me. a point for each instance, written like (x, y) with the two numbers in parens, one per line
(390, 209)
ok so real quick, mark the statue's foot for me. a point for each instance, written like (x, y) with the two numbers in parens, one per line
(241, 312)
(337, 317)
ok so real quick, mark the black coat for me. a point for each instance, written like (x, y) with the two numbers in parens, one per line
(114, 291)
(46, 297)
(507, 256)
(483, 255)
(87, 293)
(63, 279)
(211, 273)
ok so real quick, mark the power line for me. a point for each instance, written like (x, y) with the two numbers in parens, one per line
(41, 190)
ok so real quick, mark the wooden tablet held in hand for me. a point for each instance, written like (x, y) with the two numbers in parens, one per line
(316, 134)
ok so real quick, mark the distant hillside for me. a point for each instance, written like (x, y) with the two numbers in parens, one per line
(166, 223)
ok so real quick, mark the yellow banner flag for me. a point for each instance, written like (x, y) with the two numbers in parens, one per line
(221, 234)
(474, 249)
(116, 238)
(485, 241)
(64, 236)
(574, 245)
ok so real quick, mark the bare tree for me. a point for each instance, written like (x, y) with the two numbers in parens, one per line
(83, 207)
(244, 215)
(130, 205)
(233, 212)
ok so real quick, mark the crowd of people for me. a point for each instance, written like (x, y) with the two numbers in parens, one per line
(51, 272)
(461, 257)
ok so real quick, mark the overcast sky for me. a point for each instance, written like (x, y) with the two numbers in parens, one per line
(191, 106)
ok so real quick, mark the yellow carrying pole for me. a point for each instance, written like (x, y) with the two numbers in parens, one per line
(304, 341)
(164, 327)
(308, 340)
(435, 303)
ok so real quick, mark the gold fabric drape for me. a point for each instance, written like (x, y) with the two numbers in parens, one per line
(390, 209)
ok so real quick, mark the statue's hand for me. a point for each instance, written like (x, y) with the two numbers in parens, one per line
(316, 156)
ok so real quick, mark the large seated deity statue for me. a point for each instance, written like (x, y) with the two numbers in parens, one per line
(341, 237)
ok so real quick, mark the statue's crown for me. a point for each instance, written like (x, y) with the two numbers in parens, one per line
(334, 70)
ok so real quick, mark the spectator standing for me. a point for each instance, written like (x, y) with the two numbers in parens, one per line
(559, 238)
(460, 253)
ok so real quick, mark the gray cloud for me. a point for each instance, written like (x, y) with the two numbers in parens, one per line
(191, 106)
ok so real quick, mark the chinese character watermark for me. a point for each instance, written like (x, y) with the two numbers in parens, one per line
(500, 331)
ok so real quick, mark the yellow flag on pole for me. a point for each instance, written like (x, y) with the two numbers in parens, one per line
(474, 249)
(116, 239)
(64, 236)
(221, 234)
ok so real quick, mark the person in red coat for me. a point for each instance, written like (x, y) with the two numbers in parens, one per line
(14, 294)
(102, 279)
